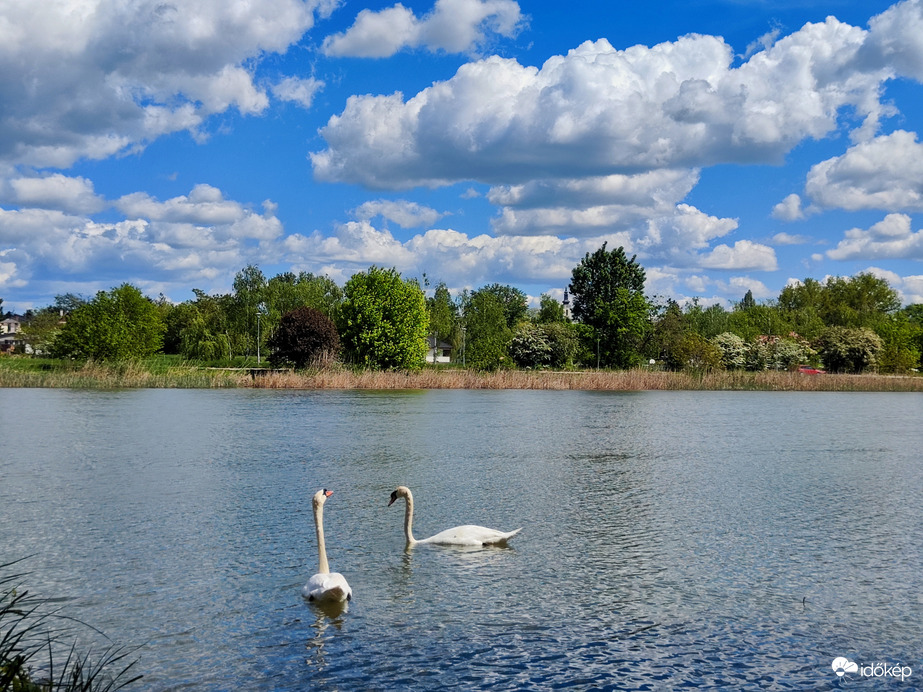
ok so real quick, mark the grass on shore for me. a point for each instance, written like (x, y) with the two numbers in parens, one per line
(167, 372)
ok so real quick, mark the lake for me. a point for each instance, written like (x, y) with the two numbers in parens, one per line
(670, 539)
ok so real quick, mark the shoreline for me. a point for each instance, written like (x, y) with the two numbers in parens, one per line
(138, 376)
(627, 381)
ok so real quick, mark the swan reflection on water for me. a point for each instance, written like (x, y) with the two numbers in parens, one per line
(328, 614)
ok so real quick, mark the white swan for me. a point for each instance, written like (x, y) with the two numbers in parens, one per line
(469, 534)
(325, 586)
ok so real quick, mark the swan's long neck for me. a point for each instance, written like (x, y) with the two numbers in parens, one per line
(408, 520)
(323, 567)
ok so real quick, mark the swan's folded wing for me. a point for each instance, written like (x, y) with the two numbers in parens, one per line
(469, 535)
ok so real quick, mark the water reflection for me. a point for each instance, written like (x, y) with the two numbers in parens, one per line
(328, 616)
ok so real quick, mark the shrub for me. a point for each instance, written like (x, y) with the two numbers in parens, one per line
(733, 350)
(304, 336)
(530, 347)
(849, 350)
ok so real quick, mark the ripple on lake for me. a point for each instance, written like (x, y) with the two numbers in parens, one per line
(670, 539)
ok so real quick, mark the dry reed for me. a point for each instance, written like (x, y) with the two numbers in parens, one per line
(122, 376)
(629, 380)
(190, 376)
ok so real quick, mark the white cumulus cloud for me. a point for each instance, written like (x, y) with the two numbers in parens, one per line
(789, 209)
(883, 173)
(297, 90)
(402, 212)
(453, 26)
(891, 238)
(106, 75)
(598, 111)
(56, 191)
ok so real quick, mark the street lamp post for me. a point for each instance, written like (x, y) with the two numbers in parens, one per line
(464, 329)
(259, 330)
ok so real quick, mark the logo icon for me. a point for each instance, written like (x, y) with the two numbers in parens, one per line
(842, 665)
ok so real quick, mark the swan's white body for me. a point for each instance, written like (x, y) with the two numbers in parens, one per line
(467, 535)
(325, 585)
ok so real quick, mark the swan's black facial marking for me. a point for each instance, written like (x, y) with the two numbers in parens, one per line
(393, 498)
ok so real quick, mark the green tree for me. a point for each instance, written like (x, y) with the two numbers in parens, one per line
(203, 328)
(803, 306)
(41, 328)
(862, 300)
(669, 331)
(288, 291)
(787, 353)
(443, 313)
(899, 336)
(444, 324)
(709, 321)
(177, 321)
(758, 320)
(383, 321)
(608, 295)
(550, 311)
(487, 336)
(748, 301)
(514, 302)
(859, 301)
(244, 324)
(68, 302)
(694, 352)
(121, 324)
(304, 336)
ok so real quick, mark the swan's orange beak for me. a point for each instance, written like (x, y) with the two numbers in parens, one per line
(328, 493)
(393, 498)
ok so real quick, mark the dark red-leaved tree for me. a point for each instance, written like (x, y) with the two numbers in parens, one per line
(304, 336)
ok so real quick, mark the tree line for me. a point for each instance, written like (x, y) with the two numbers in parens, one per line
(381, 320)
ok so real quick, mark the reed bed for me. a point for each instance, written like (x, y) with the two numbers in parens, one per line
(122, 376)
(629, 380)
(192, 376)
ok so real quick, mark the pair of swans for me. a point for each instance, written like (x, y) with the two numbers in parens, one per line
(331, 587)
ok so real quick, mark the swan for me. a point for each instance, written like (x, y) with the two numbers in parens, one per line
(325, 586)
(467, 535)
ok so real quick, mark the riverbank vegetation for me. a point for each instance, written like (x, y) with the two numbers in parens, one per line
(169, 373)
(380, 321)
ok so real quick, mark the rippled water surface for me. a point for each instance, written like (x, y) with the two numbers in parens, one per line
(738, 540)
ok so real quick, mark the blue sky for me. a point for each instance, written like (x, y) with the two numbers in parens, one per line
(732, 145)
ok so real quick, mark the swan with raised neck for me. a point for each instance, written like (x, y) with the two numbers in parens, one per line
(324, 586)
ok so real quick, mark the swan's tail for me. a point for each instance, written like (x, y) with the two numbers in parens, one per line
(338, 593)
(504, 537)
